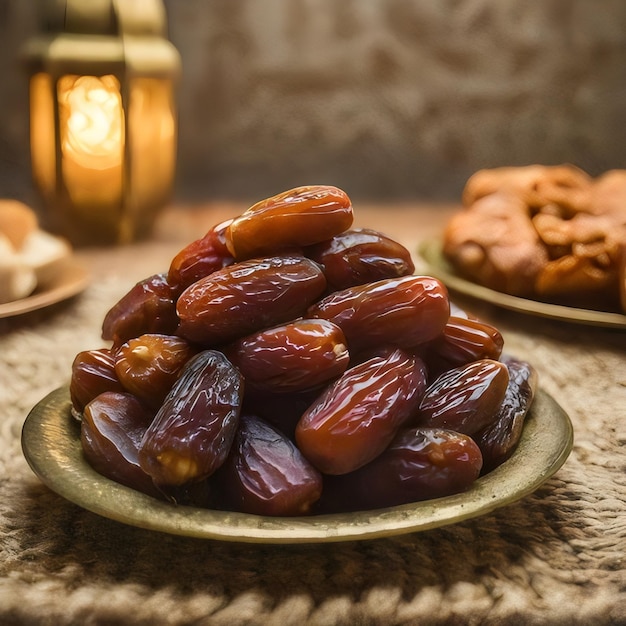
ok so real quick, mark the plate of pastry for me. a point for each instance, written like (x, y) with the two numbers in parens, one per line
(543, 240)
(37, 268)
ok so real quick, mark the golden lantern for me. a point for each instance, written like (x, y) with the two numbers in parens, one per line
(102, 116)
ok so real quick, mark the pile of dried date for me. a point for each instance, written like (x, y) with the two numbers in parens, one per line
(287, 364)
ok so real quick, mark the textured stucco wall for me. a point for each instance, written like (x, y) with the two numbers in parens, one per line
(386, 98)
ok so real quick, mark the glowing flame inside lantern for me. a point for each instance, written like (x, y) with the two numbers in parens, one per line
(92, 120)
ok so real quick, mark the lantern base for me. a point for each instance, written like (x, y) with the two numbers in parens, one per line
(91, 226)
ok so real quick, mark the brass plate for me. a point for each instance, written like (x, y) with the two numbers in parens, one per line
(439, 267)
(51, 445)
(69, 281)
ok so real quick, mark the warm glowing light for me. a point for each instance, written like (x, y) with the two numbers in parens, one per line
(91, 120)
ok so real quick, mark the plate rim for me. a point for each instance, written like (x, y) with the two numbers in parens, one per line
(51, 445)
(431, 252)
(72, 278)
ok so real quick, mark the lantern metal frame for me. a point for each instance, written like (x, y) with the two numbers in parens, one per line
(125, 39)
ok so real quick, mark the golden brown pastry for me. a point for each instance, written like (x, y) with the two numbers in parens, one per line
(495, 244)
(565, 186)
(549, 232)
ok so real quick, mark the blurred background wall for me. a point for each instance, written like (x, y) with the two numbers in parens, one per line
(385, 98)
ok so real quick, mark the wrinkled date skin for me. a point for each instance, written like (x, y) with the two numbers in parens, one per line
(402, 312)
(465, 399)
(93, 372)
(419, 464)
(266, 474)
(200, 258)
(192, 432)
(149, 365)
(149, 307)
(248, 296)
(291, 357)
(112, 427)
(360, 256)
(498, 440)
(290, 220)
(355, 419)
(463, 340)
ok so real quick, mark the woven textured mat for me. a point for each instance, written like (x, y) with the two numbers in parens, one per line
(555, 557)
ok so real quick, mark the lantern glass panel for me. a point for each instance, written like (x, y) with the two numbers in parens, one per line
(91, 123)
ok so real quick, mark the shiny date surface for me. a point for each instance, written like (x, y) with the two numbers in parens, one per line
(149, 307)
(290, 220)
(357, 416)
(360, 256)
(465, 399)
(266, 474)
(112, 427)
(402, 312)
(248, 296)
(192, 432)
(419, 464)
(291, 357)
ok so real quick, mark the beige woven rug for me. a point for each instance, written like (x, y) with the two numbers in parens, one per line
(556, 557)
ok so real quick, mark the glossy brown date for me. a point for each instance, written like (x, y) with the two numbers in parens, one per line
(419, 464)
(463, 340)
(360, 256)
(192, 432)
(354, 420)
(148, 365)
(93, 372)
(500, 438)
(404, 312)
(200, 258)
(112, 427)
(266, 474)
(290, 220)
(248, 296)
(466, 398)
(296, 356)
(149, 307)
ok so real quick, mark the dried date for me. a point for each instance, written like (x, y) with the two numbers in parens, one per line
(465, 399)
(149, 307)
(463, 340)
(112, 427)
(354, 420)
(419, 464)
(360, 256)
(404, 312)
(192, 432)
(290, 220)
(149, 365)
(500, 438)
(93, 373)
(266, 474)
(248, 296)
(200, 258)
(296, 356)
